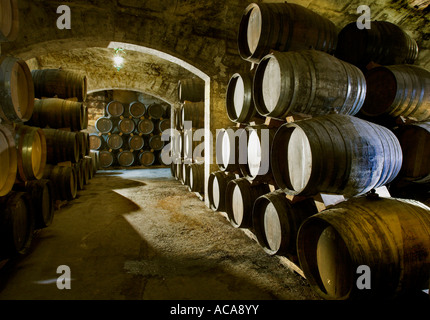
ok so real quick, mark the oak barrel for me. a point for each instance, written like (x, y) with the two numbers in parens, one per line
(64, 180)
(115, 141)
(398, 90)
(146, 126)
(194, 114)
(104, 125)
(185, 176)
(231, 149)
(126, 158)
(259, 145)
(240, 101)
(192, 146)
(80, 172)
(334, 154)
(307, 82)
(58, 113)
(276, 221)
(96, 142)
(126, 126)
(163, 125)
(415, 142)
(192, 90)
(136, 142)
(8, 160)
(16, 224)
(9, 21)
(147, 158)
(115, 109)
(384, 43)
(16, 90)
(137, 109)
(64, 84)
(156, 111)
(106, 159)
(42, 197)
(217, 184)
(240, 196)
(283, 27)
(95, 156)
(83, 140)
(197, 178)
(61, 146)
(390, 236)
(156, 143)
(32, 152)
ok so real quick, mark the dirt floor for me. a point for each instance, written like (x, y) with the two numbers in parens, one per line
(140, 234)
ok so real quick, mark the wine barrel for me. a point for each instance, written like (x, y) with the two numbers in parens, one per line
(217, 184)
(193, 112)
(231, 149)
(126, 158)
(32, 152)
(64, 180)
(61, 83)
(192, 90)
(104, 125)
(156, 111)
(155, 143)
(415, 142)
(96, 142)
(115, 109)
(80, 172)
(106, 159)
(173, 169)
(88, 161)
(8, 160)
(399, 90)
(307, 82)
(137, 109)
(146, 126)
(115, 141)
(126, 126)
(61, 146)
(276, 221)
(58, 113)
(82, 143)
(147, 158)
(42, 197)
(164, 157)
(185, 177)
(9, 24)
(163, 125)
(240, 196)
(239, 99)
(16, 224)
(16, 90)
(95, 156)
(390, 236)
(384, 43)
(178, 163)
(260, 140)
(136, 142)
(192, 149)
(283, 27)
(334, 154)
(196, 178)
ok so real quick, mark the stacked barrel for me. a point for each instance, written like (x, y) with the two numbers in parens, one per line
(131, 134)
(300, 138)
(27, 191)
(187, 138)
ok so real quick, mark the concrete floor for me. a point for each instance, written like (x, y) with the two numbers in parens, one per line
(140, 234)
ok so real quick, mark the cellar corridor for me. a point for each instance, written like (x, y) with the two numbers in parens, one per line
(155, 240)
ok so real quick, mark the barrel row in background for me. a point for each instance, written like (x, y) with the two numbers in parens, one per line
(318, 158)
(187, 153)
(131, 134)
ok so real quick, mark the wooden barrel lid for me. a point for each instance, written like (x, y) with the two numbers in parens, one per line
(272, 227)
(115, 141)
(137, 109)
(271, 84)
(126, 126)
(299, 159)
(147, 158)
(9, 20)
(106, 159)
(237, 205)
(126, 158)
(334, 263)
(8, 161)
(115, 109)
(95, 142)
(136, 142)
(254, 28)
(104, 125)
(145, 126)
